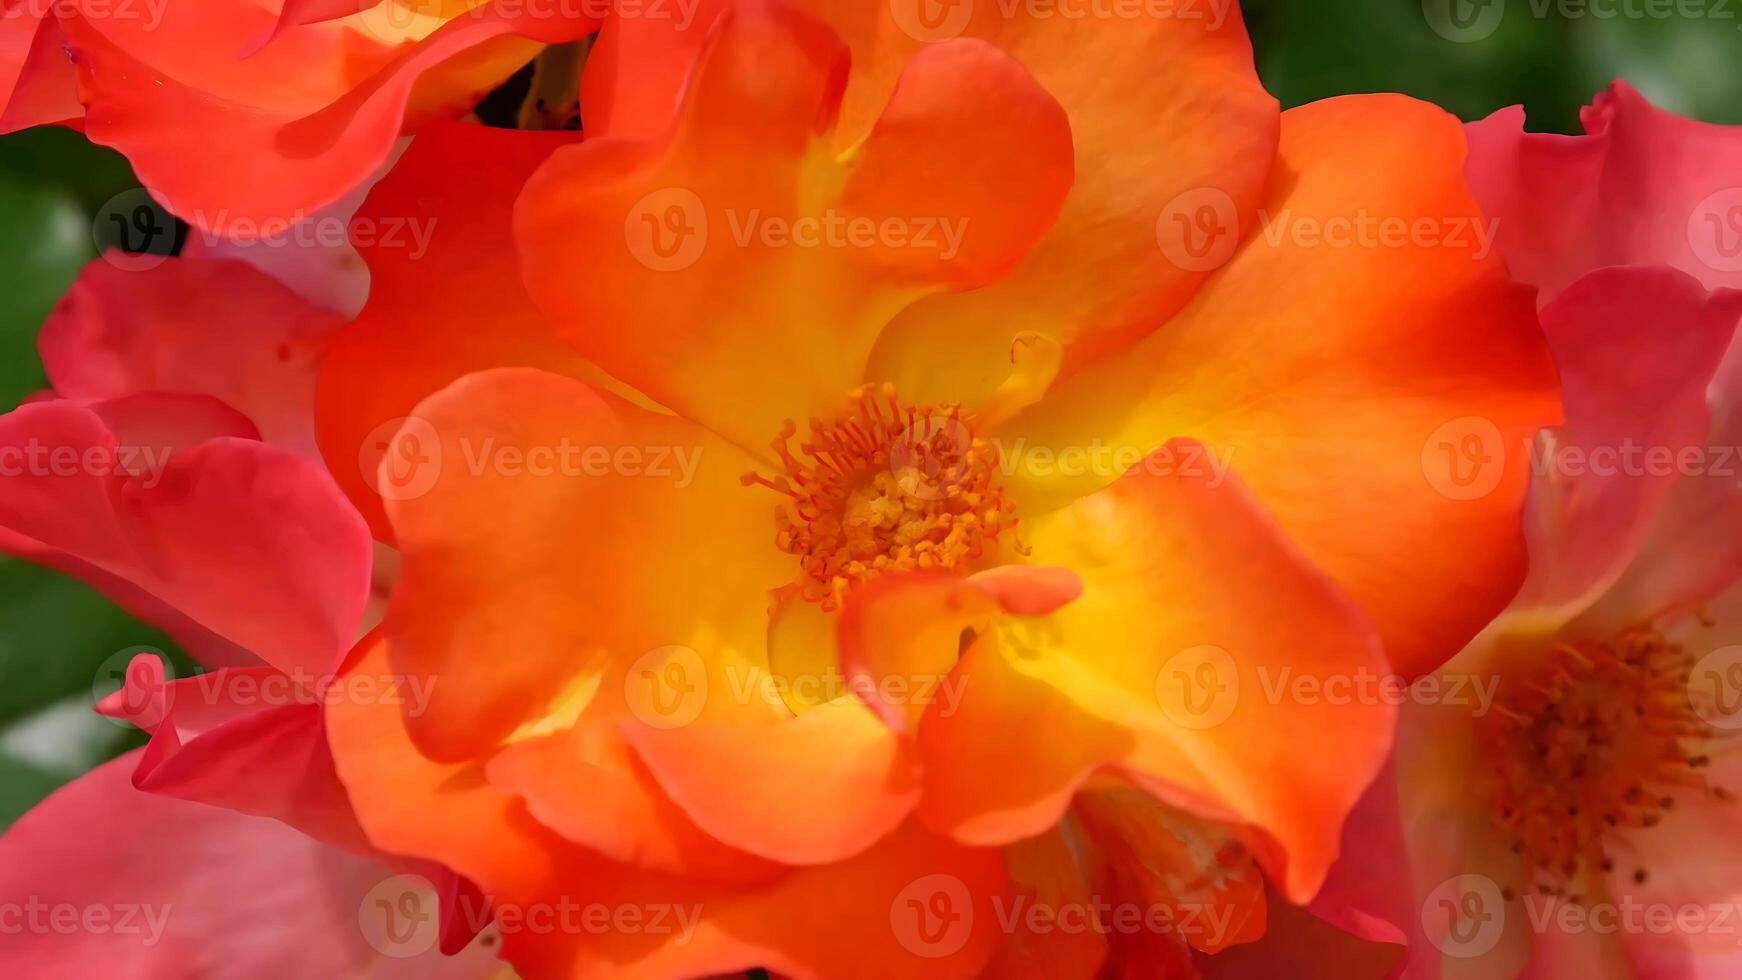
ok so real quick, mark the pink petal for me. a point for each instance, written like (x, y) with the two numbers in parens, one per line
(1637, 349)
(204, 327)
(253, 543)
(251, 740)
(1643, 187)
(102, 880)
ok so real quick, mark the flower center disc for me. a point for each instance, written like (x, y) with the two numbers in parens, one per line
(885, 487)
(1593, 745)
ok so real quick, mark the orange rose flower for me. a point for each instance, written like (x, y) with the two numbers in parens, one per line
(850, 496)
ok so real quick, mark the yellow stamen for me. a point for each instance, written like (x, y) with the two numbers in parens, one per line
(885, 487)
(1592, 746)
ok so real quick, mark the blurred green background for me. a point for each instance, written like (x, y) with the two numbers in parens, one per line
(59, 641)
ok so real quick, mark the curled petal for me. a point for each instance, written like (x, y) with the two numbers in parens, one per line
(1179, 664)
(450, 268)
(737, 269)
(624, 533)
(1637, 350)
(159, 887)
(252, 543)
(243, 147)
(1365, 341)
(1641, 187)
(217, 328)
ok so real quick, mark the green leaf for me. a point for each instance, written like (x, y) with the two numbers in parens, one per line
(22, 786)
(55, 634)
(45, 238)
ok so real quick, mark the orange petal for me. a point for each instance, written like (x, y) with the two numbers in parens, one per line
(37, 85)
(1180, 664)
(814, 789)
(238, 146)
(413, 806)
(914, 902)
(587, 784)
(430, 298)
(556, 532)
(1168, 119)
(913, 906)
(898, 643)
(639, 64)
(1365, 364)
(737, 270)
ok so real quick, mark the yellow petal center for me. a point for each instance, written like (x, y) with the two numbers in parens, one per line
(885, 486)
